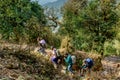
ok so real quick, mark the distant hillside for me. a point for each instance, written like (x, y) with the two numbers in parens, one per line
(57, 4)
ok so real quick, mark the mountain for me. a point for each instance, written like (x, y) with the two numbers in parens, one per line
(56, 4)
(42, 2)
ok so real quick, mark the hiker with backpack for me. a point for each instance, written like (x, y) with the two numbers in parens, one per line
(87, 65)
(42, 44)
(55, 56)
(68, 60)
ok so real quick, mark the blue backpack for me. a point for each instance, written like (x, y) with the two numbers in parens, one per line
(90, 61)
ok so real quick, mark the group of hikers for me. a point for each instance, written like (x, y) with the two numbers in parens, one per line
(69, 59)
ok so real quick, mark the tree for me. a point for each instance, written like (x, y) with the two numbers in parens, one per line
(72, 25)
(70, 13)
(97, 20)
(20, 18)
(101, 19)
(52, 16)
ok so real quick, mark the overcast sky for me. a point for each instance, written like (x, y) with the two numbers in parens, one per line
(44, 1)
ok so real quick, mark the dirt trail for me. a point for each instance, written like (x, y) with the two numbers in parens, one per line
(111, 65)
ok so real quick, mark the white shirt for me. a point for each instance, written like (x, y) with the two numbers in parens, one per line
(54, 52)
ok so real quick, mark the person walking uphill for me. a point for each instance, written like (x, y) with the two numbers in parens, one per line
(54, 57)
(68, 60)
(87, 65)
(42, 44)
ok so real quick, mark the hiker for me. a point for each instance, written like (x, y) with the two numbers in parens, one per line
(55, 56)
(87, 65)
(69, 62)
(42, 44)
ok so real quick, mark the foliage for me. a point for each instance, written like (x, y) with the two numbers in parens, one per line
(80, 41)
(52, 17)
(70, 16)
(21, 19)
(52, 39)
(66, 44)
(101, 19)
(112, 48)
(97, 18)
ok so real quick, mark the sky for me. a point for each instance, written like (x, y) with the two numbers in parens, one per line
(44, 1)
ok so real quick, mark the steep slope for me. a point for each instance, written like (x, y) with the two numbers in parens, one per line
(23, 65)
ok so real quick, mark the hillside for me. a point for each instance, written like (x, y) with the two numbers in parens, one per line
(87, 30)
(23, 65)
(57, 4)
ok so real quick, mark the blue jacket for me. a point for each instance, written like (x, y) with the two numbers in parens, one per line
(68, 60)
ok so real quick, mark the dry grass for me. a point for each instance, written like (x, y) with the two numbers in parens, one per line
(17, 55)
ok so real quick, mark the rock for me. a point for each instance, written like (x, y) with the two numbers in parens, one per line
(63, 71)
(20, 78)
(13, 76)
(105, 74)
(57, 76)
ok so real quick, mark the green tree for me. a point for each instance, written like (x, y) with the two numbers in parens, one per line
(96, 22)
(20, 19)
(70, 13)
(101, 19)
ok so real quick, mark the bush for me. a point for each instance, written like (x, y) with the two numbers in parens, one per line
(109, 49)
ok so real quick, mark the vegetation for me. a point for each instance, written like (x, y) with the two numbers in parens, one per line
(87, 26)
(21, 19)
(90, 23)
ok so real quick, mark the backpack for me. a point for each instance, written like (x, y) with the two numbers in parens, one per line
(73, 59)
(90, 61)
(58, 53)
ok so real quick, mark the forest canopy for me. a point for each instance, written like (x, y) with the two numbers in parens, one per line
(21, 19)
(91, 23)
